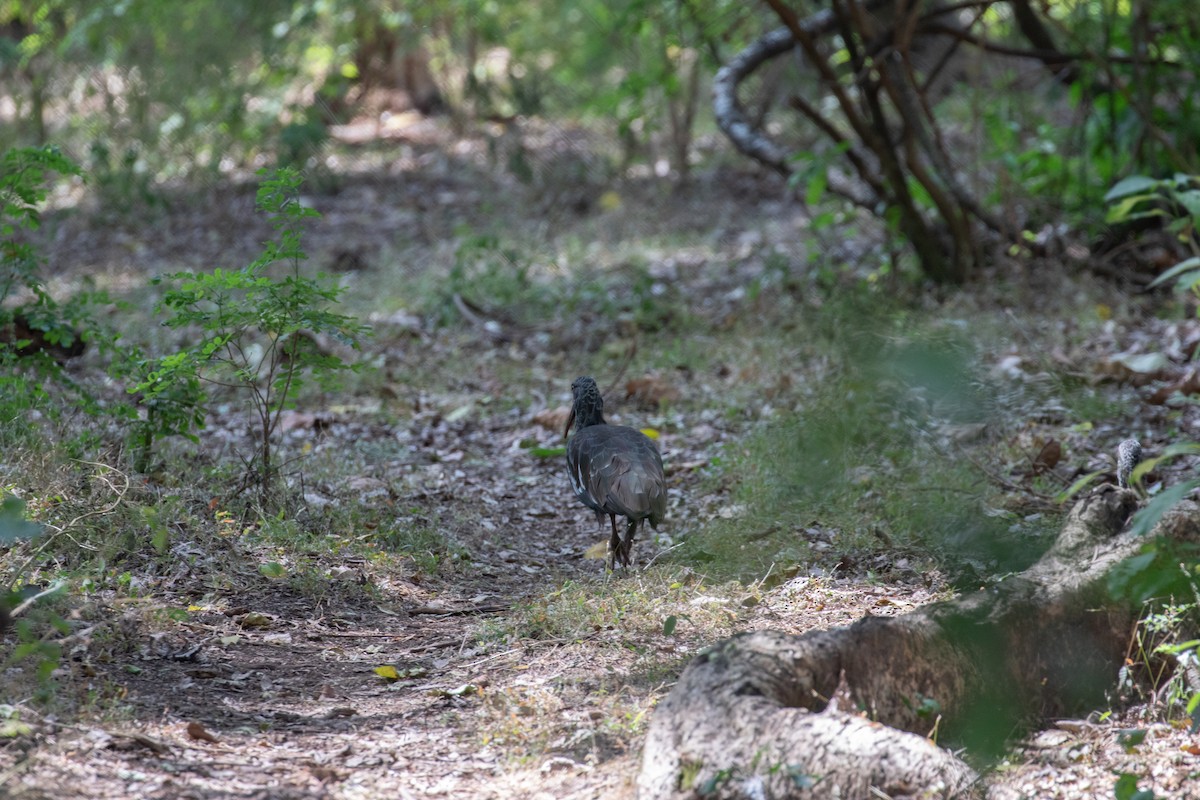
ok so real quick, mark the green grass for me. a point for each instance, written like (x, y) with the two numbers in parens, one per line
(864, 457)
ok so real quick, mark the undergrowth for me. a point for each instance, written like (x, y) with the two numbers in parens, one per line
(884, 452)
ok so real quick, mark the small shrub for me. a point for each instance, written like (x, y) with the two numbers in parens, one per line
(257, 334)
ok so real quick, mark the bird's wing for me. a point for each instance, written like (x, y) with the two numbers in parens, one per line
(633, 476)
(617, 470)
(579, 470)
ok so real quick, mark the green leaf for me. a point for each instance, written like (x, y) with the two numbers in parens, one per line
(272, 569)
(1126, 788)
(1130, 185)
(1077, 486)
(1190, 200)
(1178, 647)
(1131, 737)
(669, 625)
(1187, 265)
(815, 189)
(1124, 210)
(14, 729)
(548, 452)
(1145, 519)
(1183, 449)
(1169, 452)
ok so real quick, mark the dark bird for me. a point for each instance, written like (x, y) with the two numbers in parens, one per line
(614, 470)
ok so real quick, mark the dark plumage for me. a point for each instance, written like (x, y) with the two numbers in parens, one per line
(614, 470)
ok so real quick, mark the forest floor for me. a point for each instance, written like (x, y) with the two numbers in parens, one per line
(452, 633)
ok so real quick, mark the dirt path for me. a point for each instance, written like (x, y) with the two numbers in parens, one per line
(519, 671)
(521, 689)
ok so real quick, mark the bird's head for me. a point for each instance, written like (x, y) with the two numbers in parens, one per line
(587, 406)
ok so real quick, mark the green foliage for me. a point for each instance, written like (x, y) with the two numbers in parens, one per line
(1164, 653)
(169, 392)
(1126, 788)
(300, 141)
(490, 273)
(862, 462)
(256, 332)
(1176, 200)
(36, 330)
(1125, 117)
(24, 185)
(1162, 567)
(43, 655)
(124, 187)
(182, 72)
(1145, 113)
(13, 525)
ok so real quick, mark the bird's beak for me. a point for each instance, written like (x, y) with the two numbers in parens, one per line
(570, 422)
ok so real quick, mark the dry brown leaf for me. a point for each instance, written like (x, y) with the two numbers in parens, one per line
(255, 620)
(651, 391)
(1048, 458)
(196, 731)
(1186, 384)
(554, 419)
(303, 420)
(325, 774)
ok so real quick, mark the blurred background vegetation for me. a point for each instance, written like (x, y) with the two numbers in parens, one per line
(1044, 105)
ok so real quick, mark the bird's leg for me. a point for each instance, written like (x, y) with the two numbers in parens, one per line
(614, 545)
(627, 545)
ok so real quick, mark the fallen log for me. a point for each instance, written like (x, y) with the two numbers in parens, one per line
(853, 711)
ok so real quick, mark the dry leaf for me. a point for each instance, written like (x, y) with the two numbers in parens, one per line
(255, 620)
(325, 774)
(302, 420)
(554, 419)
(1137, 369)
(651, 391)
(1048, 458)
(387, 672)
(1186, 384)
(197, 731)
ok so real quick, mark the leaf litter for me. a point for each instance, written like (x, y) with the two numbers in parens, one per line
(516, 670)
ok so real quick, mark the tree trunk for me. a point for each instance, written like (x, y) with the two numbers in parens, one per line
(842, 712)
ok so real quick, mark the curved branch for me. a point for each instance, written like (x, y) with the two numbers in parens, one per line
(731, 117)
